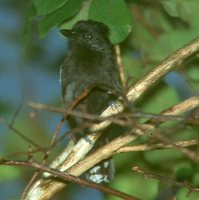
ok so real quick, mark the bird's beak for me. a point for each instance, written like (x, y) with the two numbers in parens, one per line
(68, 33)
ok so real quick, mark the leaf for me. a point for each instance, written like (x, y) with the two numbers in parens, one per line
(81, 15)
(189, 12)
(44, 7)
(171, 7)
(60, 15)
(170, 41)
(114, 14)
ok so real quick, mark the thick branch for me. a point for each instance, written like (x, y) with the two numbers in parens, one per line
(45, 190)
(117, 144)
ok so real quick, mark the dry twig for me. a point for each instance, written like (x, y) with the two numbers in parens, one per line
(44, 189)
(165, 179)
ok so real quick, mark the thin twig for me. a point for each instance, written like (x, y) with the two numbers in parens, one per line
(165, 179)
(67, 177)
(82, 147)
(146, 147)
(120, 65)
(112, 147)
(17, 112)
(45, 158)
(21, 135)
(190, 154)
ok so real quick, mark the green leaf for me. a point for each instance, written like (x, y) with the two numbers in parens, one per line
(171, 7)
(114, 14)
(189, 12)
(60, 15)
(170, 41)
(81, 15)
(44, 7)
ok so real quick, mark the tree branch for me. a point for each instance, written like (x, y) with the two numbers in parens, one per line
(165, 179)
(44, 190)
(66, 177)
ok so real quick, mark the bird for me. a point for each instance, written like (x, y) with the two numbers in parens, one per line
(90, 81)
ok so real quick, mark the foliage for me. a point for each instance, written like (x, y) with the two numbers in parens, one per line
(62, 13)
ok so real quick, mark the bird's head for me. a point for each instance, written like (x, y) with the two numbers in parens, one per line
(89, 34)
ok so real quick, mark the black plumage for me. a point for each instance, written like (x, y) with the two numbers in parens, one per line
(89, 66)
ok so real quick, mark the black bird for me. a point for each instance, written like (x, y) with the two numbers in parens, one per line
(89, 77)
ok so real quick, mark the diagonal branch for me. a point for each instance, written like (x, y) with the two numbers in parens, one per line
(44, 190)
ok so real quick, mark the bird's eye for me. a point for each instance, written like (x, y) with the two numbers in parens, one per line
(88, 36)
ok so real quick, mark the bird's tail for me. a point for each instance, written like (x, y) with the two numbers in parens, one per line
(104, 171)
